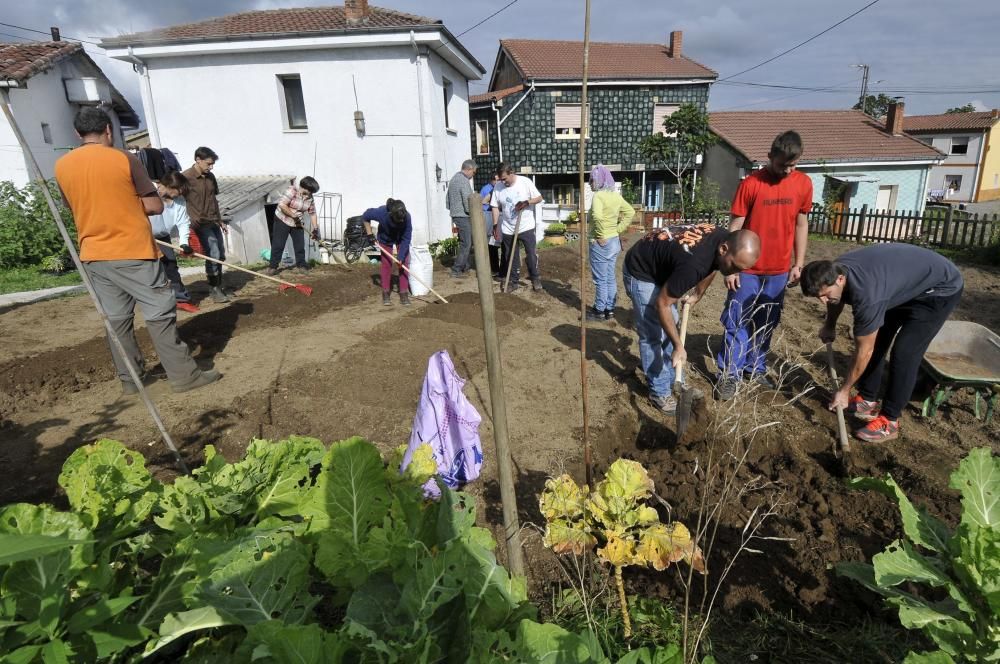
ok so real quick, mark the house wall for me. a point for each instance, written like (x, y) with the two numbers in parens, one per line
(507, 75)
(42, 101)
(964, 165)
(487, 163)
(248, 234)
(620, 118)
(908, 179)
(990, 178)
(722, 166)
(233, 104)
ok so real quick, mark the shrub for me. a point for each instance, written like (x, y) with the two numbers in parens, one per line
(28, 233)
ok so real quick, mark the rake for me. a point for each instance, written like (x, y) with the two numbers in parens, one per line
(285, 285)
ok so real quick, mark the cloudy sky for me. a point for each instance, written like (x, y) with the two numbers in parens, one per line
(936, 55)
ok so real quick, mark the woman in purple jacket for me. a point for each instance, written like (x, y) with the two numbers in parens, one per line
(395, 228)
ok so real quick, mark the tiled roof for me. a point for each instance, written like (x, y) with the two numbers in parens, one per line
(494, 95)
(235, 192)
(948, 121)
(827, 136)
(563, 60)
(272, 22)
(19, 62)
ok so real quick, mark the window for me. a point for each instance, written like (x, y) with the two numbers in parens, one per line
(482, 137)
(654, 195)
(885, 199)
(568, 121)
(960, 145)
(448, 91)
(564, 194)
(953, 182)
(294, 103)
(660, 113)
(46, 134)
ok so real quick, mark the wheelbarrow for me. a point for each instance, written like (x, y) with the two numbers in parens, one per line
(963, 355)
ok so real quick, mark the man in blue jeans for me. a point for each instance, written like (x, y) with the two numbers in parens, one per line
(206, 218)
(658, 272)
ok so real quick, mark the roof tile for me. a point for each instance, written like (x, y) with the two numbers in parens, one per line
(494, 95)
(272, 22)
(830, 136)
(563, 60)
(946, 121)
(19, 62)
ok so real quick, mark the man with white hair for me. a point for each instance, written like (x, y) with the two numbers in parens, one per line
(459, 188)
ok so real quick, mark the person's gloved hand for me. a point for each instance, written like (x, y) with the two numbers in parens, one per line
(315, 234)
(186, 249)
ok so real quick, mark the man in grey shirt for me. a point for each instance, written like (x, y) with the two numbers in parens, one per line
(459, 188)
(898, 293)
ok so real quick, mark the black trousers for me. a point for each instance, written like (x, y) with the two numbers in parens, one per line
(279, 237)
(169, 261)
(912, 326)
(527, 238)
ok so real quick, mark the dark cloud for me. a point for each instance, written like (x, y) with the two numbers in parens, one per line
(913, 45)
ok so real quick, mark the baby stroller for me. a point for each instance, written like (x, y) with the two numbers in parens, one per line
(356, 241)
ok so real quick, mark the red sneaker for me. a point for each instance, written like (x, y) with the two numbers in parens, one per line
(861, 409)
(188, 307)
(879, 429)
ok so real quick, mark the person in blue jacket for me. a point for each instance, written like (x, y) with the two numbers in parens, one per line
(395, 229)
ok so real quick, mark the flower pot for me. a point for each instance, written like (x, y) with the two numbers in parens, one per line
(556, 239)
(572, 228)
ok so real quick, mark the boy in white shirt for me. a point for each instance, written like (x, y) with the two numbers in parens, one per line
(515, 195)
(174, 218)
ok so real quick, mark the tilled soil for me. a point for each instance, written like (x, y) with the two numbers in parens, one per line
(339, 364)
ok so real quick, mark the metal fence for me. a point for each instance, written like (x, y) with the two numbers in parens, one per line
(936, 227)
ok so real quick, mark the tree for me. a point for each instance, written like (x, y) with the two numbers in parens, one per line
(685, 135)
(968, 108)
(876, 106)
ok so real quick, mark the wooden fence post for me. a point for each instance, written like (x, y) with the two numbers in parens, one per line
(947, 226)
(861, 223)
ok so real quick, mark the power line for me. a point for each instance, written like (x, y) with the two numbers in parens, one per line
(43, 32)
(819, 34)
(467, 30)
(831, 88)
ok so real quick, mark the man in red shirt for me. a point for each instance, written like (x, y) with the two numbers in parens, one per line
(774, 203)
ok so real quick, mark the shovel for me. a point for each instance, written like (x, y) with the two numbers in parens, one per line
(285, 285)
(683, 394)
(845, 443)
(513, 248)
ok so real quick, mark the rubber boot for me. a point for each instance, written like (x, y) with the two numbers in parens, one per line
(215, 289)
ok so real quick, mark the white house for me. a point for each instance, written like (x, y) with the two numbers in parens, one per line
(372, 102)
(971, 168)
(47, 83)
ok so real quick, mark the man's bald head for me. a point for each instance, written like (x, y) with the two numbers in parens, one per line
(739, 252)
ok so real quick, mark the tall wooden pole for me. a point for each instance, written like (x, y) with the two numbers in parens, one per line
(133, 371)
(508, 496)
(584, 246)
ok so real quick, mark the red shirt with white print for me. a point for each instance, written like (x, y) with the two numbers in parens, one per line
(771, 206)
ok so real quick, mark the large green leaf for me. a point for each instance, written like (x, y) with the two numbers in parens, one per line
(168, 592)
(978, 562)
(671, 654)
(109, 640)
(936, 657)
(15, 548)
(176, 625)
(493, 596)
(978, 478)
(110, 485)
(550, 644)
(352, 495)
(95, 614)
(261, 576)
(922, 528)
(432, 582)
(901, 562)
(277, 643)
(941, 622)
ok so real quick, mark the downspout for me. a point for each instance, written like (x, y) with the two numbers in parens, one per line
(976, 184)
(423, 132)
(154, 130)
(499, 133)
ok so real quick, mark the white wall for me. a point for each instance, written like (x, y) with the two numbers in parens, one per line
(955, 164)
(231, 103)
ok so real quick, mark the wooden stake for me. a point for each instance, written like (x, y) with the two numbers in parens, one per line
(498, 403)
(133, 371)
(588, 463)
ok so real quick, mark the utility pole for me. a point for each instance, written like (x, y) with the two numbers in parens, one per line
(864, 85)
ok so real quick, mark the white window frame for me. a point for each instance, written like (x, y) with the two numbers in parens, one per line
(893, 195)
(570, 132)
(563, 192)
(46, 133)
(962, 141)
(951, 178)
(286, 115)
(658, 128)
(482, 136)
(448, 88)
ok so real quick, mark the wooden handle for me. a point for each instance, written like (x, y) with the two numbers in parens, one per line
(513, 248)
(229, 265)
(412, 276)
(845, 442)
(685, 308)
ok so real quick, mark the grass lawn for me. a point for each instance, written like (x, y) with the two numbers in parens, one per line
(21, 279)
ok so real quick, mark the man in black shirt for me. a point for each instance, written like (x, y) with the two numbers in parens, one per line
(658, 271)
(897, 292)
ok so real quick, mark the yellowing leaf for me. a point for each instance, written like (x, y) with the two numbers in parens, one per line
(647, 516)
(626, 479)
(568, 537)
(422, 464)
(562, 498)
(662, 544)
(618, 552)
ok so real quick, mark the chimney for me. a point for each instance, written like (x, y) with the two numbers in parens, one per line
(356, 11)
(894, 118)
(55, 33)
(995, 113)
(676, 39)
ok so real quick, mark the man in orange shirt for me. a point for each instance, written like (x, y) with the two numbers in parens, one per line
(774, 203)
(111, 197)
